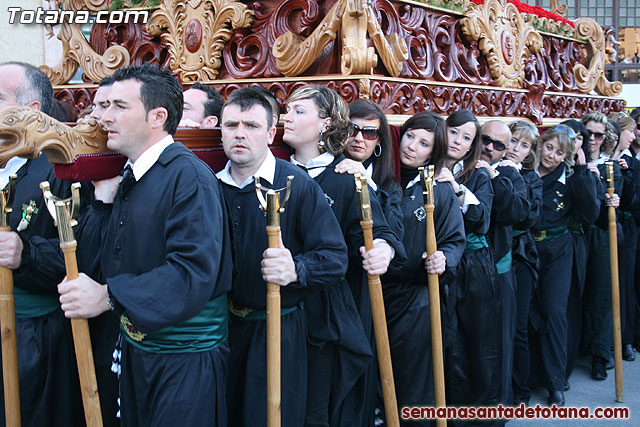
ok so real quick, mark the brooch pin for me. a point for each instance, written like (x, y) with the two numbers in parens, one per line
(27, 212)
(420, 214)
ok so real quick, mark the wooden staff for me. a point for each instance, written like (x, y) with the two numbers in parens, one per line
(377, 308)
(615, 288)
(64, 220)
(8, 321)
(434, 294)
(273, 208)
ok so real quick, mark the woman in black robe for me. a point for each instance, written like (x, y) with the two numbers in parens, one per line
(341, 369)
(405, 289)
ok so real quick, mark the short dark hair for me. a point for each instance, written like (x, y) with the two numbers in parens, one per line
(159, 88)
(246, 98)
(107, 81)
(270, 97)
(214, 102)
(431, 122)
(64, 111)
(37, 88)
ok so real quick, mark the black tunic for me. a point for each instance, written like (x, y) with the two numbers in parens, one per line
(407, 295)
(312, 234)
(49, 387)
(166, 258)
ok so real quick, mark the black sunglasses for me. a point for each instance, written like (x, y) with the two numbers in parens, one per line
(368, 132)
(597, 135)
(497, 145)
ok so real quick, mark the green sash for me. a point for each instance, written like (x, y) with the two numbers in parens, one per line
(30, 305)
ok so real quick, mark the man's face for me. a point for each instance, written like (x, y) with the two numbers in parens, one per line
(246, 135)
(126, 120)
(598, 132)
(100, 102)
(495, 139)
(193, 107)
(11, 77)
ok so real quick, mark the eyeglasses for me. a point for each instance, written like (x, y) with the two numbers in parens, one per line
(368, 132)
(599, 136)
(497, 145)
(562, 128)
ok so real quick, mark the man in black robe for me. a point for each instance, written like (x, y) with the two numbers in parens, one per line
(165, 264)
(510, 206)
(49, 388)
(312, 254)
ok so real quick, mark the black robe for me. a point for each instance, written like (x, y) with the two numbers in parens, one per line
(166, 258)
(48, 379)
(473, 341)
(406, 292)
(330, 310)
(312, 234)
(576, 197)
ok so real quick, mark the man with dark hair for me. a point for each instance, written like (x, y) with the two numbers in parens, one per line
(49, 388)
(165, 260)
(100, 102)
(312, 254)
(202, 106)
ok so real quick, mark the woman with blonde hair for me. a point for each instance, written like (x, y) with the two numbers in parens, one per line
(341, 363)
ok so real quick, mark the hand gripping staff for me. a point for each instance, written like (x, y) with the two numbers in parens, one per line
(64, 220)
(615, 287)
(273, 208)
(434, 294)
(377, 308)
(8, 321)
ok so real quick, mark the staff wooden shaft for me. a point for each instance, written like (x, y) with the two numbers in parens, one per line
(273, 341)
(615, 299)
(83, 349)
(382, 335)
(9, 347)
(436, 328)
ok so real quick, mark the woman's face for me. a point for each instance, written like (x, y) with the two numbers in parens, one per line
(416, 146)
(459, 141)
(519, 148)
(626, 137)
(302, 123)
(551, 155)
(360, 148)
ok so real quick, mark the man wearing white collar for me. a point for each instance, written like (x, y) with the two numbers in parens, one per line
(312, 254)
(164, 260)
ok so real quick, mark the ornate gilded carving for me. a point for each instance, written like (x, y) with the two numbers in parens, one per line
(94, 5)
(364, 86)
(196, 58)
(557, 7)
(593, 77)
(26, 132)
(504, 38)
(356, 18)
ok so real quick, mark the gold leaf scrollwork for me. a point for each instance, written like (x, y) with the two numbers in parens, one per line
(94, 5)
(557, 7)
(196, 31)
(356, 19)
(504, 38)
(26, 132)
(588, 79)
(364, 87)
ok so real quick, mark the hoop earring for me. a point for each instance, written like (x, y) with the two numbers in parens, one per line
(377, 151)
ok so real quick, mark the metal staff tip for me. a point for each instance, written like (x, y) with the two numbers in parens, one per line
(362, 188)
(6, 200)
(272, 204)
(427, 184)
(63, 211)
(610, 183)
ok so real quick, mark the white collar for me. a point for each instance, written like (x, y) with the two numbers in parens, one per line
(601, 160)
(13, 165)
(417, 179)
(563, 178)
(457, 168)
(626, 152)
(149, 157)
(316, 165)
(267, 171)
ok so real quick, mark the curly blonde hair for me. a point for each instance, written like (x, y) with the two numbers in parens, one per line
(331, 105)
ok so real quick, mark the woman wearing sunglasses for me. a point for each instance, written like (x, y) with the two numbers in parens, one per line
(423, 141)
(341, 366)
(629, 204)
(473, 352)
(525, 265)
(566, 190)
(370, 152)
(597, 325)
